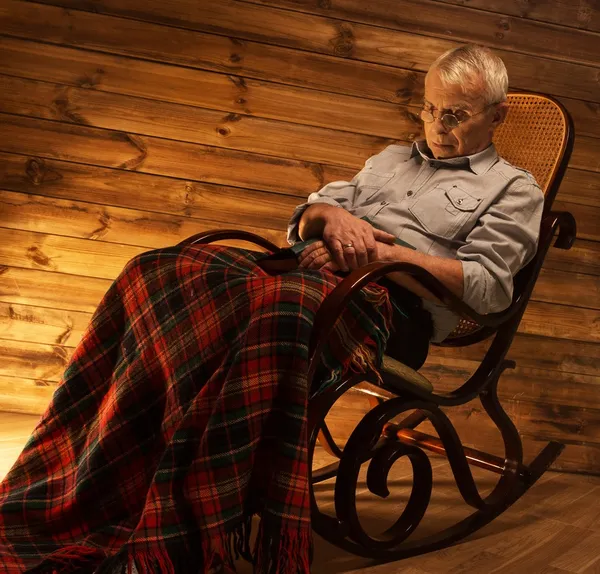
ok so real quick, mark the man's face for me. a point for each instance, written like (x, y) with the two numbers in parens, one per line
(472, 135)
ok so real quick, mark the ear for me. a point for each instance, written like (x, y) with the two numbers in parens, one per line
(499, 114)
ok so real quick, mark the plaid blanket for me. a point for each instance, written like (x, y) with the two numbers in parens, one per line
(182, 413)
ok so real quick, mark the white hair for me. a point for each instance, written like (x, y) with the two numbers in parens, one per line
(474, 67)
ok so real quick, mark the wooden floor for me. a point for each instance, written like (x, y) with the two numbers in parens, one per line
(553, 529)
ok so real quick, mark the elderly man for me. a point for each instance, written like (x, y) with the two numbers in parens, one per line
(473, 218)
(183, 410)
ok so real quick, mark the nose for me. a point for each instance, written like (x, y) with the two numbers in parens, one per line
(438, 126)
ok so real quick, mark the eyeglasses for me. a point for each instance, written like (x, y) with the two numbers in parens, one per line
(450, 120)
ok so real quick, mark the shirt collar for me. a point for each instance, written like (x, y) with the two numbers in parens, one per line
(479, 163)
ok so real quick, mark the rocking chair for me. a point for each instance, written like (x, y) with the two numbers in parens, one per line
(538, 136)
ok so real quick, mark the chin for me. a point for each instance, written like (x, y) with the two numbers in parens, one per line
(443, 152)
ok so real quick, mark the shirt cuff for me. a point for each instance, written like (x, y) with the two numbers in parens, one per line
(292, 228)
(476, 291)
(481, 291)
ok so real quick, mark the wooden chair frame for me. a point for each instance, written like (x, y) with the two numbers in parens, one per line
(380, 442)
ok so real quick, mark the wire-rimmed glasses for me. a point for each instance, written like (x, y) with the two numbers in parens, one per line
(450, 120)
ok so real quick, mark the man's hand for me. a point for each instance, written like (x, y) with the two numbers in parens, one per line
(449, 271)
(351, 241)
(317, 256)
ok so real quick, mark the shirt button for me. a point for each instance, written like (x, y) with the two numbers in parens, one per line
(459, 201)
(382, 203)
(409, 192)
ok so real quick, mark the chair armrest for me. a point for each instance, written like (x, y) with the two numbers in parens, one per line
(566, 225)
(336, 301)
(333, 305)
(213, 235)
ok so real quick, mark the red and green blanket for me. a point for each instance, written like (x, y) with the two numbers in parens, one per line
(182, 413)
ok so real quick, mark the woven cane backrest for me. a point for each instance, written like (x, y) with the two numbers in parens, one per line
(464, 327)
(533, 138)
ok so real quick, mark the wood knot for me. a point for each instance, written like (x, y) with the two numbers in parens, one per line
(223, 131)
(412, 117)
(38, 257)
(60, 353)
(64, 336)
(238, 82)
(138, 144)
(343, 43)
(188, 198)
(38, 172)
(324, 4)
(92, 80)
(65, 110)
(404, 94)
(232, 118)
(317, 170)
(105, 223)
(584, 13)
(240, 101)
(504, 24)
(35, 169)
(235, 58)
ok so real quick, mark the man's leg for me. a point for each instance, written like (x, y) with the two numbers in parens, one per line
(412, 326)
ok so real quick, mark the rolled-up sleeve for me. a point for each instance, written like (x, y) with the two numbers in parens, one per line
(504, 240)
(336, 193)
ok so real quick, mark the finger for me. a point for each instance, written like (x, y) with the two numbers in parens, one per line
(371, 248)
(383, 236)
(320, 261)
(308, 260)
(321, 255)
(310, 249)
(350, 256)
(337, 252)
(360, 251)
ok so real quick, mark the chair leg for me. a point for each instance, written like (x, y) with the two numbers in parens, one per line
(543, 461)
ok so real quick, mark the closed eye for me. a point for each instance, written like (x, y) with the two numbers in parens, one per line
(461, 115)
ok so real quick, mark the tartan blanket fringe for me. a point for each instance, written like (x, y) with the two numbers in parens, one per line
(275, 552)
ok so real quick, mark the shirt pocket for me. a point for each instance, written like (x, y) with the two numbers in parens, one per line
(444, 210)
(369, 182)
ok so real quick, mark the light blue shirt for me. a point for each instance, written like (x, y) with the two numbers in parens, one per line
(478, 209)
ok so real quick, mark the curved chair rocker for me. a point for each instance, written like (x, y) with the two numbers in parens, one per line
(537, 136)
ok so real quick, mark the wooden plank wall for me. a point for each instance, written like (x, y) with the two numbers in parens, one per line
(128, 125)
